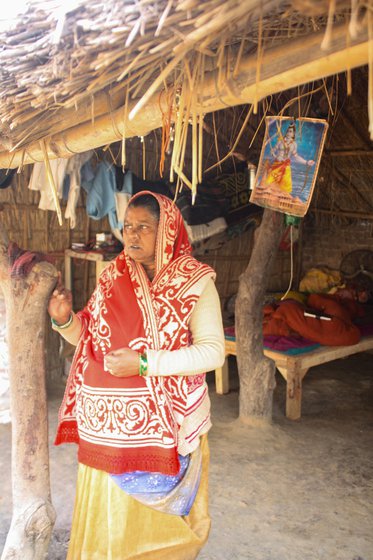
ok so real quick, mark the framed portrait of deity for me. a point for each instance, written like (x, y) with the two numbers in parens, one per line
(289, 164)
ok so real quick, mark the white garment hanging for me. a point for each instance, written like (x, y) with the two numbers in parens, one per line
(73, 170)
(39, 182)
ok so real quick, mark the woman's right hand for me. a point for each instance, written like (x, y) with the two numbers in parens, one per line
(60, 304)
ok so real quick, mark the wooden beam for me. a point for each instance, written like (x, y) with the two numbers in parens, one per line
(343, 213)
(346, 153)
(292, 64)
(299, 61)
(60, 119)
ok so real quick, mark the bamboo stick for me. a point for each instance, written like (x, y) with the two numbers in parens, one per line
(200, 124)
(185, 127)
(236, 141)
(123, 147)
(258, 64)
(145, 98)
(349, 152)
(143, 158)
(183, 177)
(238, 58)
(180, 104)
(52, 184)
(343, 213)
(329, 26)
(370, 70)
(194, 149)
(276, 75)
(163, 18)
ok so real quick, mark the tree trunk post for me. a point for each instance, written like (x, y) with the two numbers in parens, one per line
(256, 372)
(26, 301)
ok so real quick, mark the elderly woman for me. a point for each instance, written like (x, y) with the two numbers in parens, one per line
(136, 401)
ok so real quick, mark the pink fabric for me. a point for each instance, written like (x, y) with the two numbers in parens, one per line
(21, 261)
(278, 343)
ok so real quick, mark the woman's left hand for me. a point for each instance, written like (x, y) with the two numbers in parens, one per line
(122, 363)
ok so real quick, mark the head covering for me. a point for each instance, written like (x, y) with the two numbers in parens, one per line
(134, 423)
(172, 237)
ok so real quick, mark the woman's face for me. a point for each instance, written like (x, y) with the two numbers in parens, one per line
(139, 234)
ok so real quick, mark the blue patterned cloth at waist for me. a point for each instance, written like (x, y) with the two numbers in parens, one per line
(166, 493)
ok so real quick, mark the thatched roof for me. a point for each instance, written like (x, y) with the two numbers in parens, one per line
(94, 64)
(344, 186)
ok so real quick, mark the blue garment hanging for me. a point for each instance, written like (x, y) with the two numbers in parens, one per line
(100, 187)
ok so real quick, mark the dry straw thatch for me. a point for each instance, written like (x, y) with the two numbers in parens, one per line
(58, 55)
(64, 63)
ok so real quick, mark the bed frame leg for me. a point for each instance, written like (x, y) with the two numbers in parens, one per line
(294, 378)
(222, 378)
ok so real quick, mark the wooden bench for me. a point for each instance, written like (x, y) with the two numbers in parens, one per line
(293, 368)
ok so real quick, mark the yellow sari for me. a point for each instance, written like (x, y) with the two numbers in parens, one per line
(108, 524)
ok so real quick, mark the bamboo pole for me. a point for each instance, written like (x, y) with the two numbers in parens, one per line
(283, 67)
(343, 213)
(51, 182)
(352, 153)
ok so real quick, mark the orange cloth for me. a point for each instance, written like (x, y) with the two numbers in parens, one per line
(288, 318)
(347, 310)
(273, 324)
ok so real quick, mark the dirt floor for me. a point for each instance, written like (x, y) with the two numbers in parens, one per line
(292, 491)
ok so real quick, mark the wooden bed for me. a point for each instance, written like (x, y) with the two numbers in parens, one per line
(293, 368)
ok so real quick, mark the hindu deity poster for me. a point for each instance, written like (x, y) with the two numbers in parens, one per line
(288, 164)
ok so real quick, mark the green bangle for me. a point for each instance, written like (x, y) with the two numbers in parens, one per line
(143, 365)
(65, 325)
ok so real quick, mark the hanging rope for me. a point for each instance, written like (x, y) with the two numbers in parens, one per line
(291, 264)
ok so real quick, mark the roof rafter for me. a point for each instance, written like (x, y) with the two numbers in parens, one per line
(289, 65)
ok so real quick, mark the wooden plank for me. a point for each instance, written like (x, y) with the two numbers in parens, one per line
(352, 153)
(222, 379)
(294, 368)
(68, 272)
(326, 354)
(345, 213)
(101, 260)
(86, 256)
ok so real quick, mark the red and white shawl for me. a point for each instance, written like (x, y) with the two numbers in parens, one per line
(138, 423)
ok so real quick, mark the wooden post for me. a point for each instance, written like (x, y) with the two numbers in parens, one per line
(26, 302)
(256, 372)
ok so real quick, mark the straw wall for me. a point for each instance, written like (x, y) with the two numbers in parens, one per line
(326, 242)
